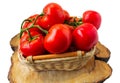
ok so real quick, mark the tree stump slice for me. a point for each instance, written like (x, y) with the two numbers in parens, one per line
(102, 53)
(20, 73)
(14, 42)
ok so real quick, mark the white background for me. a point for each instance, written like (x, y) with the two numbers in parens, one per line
(13, 12)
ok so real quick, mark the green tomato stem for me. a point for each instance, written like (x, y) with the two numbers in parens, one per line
(30, 37)
(25, 21)
(21, 31)
(42, 14)
(32, 26)
(43, 30)
(36, 19)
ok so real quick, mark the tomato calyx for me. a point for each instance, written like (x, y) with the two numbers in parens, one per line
(31, 38)
(74, 21)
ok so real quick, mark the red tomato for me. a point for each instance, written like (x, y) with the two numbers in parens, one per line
(92, 17)
(66, 15)
(70, 27)
(27, 24)
(58, 39)
(32, 46)
(46, 22)
(85, 36)
(52, 14)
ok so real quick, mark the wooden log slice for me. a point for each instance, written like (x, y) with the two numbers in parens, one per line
(20, 73)
(95, 71)
(14, 42)
(102, 53)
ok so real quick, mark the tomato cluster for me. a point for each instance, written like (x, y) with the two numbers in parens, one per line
(55, 31)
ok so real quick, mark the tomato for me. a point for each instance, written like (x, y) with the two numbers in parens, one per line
(54, 10)
(85, 37)
(32, 46)
(29, 22)
(32, 17)
(58, 39)
(52, 14)
(46, 22)
(66, 15)
(92, 17)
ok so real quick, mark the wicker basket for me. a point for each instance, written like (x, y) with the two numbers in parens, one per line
(67, 63)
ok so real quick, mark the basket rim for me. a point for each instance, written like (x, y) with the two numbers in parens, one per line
(29, 59)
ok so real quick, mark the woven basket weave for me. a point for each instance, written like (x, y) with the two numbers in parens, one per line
(67, 63)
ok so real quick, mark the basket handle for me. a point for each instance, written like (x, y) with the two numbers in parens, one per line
(53, 56)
